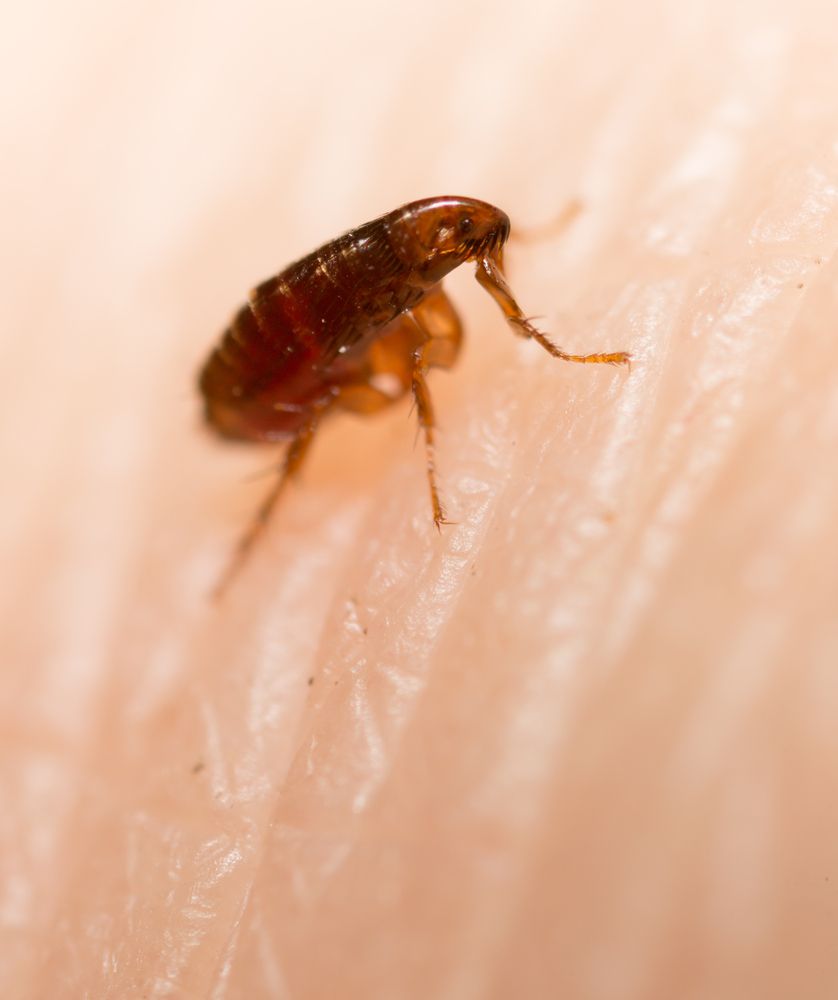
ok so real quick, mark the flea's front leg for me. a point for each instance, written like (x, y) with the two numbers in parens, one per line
(490, 276)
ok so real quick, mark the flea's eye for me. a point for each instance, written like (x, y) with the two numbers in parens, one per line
(466, 225)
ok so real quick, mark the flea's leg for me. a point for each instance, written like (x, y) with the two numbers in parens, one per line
(426, 421)
(291, 463)
(441, 329)
(397, 361)
(491, 278)
(437, 318)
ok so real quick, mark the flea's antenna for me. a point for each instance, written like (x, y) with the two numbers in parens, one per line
(553, 227)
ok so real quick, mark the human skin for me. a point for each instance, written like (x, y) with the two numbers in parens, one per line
(579, 744)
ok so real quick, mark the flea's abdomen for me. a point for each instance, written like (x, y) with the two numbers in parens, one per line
(282, 356)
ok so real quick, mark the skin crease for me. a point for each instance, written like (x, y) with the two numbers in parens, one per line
(580, 744)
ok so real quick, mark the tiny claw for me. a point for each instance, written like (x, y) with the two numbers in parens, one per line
(617, 358)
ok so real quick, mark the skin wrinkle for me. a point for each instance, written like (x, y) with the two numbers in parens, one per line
(581, 743)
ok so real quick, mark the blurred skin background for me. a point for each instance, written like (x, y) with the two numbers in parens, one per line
(583, 743)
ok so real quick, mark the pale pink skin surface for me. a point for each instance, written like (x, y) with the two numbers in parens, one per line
(584, 743)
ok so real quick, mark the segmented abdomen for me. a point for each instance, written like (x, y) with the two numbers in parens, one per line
(272, 366)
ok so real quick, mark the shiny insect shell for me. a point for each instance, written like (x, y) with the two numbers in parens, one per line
(355, 326)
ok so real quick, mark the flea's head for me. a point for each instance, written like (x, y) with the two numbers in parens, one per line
(435, 235)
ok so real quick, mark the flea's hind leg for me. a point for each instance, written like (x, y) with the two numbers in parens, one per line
(441, 329)
(290, 465)
(491, 278)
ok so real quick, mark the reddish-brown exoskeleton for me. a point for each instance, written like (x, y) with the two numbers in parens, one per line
(355, 326)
